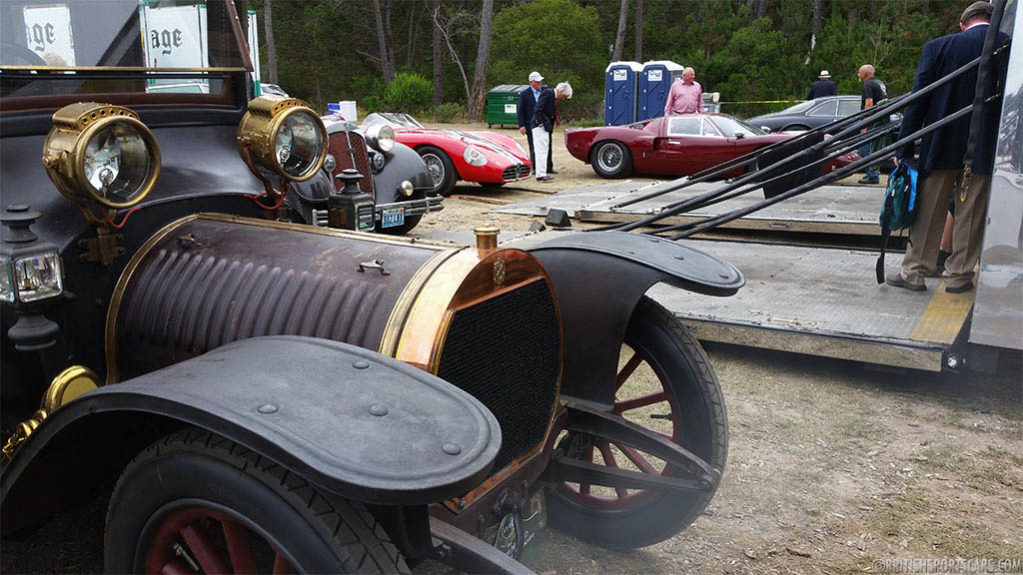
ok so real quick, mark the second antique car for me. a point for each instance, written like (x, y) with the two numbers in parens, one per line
(246, 392)
(489, 158)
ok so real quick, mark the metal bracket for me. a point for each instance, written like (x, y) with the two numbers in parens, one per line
(374, 265)
(102, 249)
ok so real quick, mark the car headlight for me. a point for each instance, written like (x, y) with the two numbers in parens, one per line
(407, 188)
(377, 160)
(31, 278)
(329, 163)
(474, 156)
(283, 135)
(102, 153)
(381, 137)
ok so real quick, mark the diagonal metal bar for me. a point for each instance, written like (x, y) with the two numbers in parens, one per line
(566, 469)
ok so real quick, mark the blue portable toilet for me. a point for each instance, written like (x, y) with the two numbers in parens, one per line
(654, 82)
(621, 89)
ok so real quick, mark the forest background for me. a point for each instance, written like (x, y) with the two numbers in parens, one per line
(438, 58)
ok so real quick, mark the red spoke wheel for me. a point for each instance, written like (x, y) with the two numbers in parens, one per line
(194, 502)
(665, 384)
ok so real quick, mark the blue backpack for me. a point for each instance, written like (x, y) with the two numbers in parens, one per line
(899, 208)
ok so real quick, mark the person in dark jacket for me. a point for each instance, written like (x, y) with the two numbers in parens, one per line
(542, 125)
(941, 159)
(527, 104)
(823, 87)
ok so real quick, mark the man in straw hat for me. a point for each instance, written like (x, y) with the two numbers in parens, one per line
(823, 87)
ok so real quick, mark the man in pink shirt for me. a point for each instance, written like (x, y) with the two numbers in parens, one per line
(685, 96)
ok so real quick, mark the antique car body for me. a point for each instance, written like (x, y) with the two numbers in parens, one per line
(676, 146)
(392, 173)
(808, 115)
(489, 158)
(265, 394)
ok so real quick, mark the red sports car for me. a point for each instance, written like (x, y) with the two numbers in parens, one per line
(451, 155)
(676, 146)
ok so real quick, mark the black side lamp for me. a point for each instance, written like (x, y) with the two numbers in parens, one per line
(30, 278)
(350, 208)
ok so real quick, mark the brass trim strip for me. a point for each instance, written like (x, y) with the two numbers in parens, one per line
(110, 340)
(400, 312)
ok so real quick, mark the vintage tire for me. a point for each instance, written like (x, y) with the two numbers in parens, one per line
(196, 491)
(795, 127)
(611, 159)
(690, 391)
(441, 169)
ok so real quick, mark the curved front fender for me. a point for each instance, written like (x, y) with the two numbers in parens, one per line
(599, 278)
(347, 419)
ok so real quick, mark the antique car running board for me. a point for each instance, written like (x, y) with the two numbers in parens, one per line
(471, 554)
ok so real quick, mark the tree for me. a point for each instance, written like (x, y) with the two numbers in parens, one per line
(623, 17)
(638, 54)
(479, 78)
(438, 55)
(271, 46)
(383, 52)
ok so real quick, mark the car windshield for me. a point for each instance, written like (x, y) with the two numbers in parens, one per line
(80, 47)
(393, 120)
(731, 126)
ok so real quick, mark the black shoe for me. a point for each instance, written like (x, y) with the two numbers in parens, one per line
(869, 180)
(959, 289)
(895, 280)
(552, 171)
(545, 179)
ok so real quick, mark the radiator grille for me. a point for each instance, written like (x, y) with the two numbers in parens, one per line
(339, 149)
(516, 172)
(506, 352)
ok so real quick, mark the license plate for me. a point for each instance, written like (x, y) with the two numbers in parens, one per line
(392, 218)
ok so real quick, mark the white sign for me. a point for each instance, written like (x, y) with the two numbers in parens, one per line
(621, 75)
(511, 108)
(48, 33)
(653, 75)
(175, 37)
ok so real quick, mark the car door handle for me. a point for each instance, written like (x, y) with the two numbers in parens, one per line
(676, 142)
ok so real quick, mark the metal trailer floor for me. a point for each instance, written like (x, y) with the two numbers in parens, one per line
(846, 210)
(823, 302)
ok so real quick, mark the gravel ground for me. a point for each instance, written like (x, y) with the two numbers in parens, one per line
(834, 467)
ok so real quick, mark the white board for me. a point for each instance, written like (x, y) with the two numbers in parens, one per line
(48, 33)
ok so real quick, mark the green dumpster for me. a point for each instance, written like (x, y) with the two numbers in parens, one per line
(503, 105)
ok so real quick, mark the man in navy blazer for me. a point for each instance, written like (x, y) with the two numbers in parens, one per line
(941, 159)
(542, 125)
(526, 108)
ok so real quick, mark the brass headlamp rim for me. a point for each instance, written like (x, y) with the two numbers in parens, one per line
(280, 110)
(78, 172)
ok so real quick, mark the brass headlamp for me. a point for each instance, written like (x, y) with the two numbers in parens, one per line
(284, 136)
(102, 153)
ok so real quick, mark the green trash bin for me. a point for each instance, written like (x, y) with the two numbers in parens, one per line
(503, 105)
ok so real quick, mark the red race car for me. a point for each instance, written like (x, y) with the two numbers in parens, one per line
(676, 146)
(451, 155)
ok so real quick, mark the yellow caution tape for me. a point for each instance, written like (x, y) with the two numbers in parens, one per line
(767, 102)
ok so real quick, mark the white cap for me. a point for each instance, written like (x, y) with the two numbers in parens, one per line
(535, 77)
(824, 74)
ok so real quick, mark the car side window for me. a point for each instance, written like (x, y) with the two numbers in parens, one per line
(709, 129)
(685, 126)
(825, 109)
(848, 107)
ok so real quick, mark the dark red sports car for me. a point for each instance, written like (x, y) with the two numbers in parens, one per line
(674, 146)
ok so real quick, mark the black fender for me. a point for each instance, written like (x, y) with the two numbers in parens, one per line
(349, 420)
(403, 163)
(599, 278)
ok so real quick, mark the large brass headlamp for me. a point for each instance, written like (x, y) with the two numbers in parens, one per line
(284, 136)
(102, 153)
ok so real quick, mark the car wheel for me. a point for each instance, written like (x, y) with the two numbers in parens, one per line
(194, 500)
(611, 159)
(441, 169)
(665, 383)
(795, 127)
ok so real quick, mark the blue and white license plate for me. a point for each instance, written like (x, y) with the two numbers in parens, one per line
(392, 218)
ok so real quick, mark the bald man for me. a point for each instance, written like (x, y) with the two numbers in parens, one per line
(685, 95)
(873, 92)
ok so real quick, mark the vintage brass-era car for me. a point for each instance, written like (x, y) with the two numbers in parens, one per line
(261, 394)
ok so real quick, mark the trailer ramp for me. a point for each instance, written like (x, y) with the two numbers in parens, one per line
(824, 302)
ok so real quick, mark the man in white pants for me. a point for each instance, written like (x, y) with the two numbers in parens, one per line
(543, 124)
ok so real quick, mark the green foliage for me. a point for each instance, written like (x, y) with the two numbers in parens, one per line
(408, 93)
(447, 112)
(560, 39)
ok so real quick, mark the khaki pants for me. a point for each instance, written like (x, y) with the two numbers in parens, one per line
(925, 234)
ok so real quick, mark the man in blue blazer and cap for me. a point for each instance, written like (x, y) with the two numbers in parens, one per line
(941, 159)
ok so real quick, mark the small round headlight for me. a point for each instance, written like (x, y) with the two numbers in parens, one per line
(407, 188)
(381, 137)
(329, 163)
(283, 135)
(474, 156)
(103, 153)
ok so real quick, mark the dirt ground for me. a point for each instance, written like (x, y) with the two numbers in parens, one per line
(833, 466)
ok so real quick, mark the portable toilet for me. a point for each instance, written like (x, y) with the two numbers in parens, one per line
(654, 82)
(503, 104)
(621, 86)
